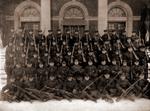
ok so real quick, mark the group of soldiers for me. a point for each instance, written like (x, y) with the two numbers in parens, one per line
(75, 66)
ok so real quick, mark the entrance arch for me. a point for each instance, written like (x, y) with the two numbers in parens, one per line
(125, 15)
(78, 15)
(26, 12)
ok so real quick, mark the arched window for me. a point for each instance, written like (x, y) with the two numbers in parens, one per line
(27, 15)
(117, 19)
(73, 16)
(74, 19)
(120, 16)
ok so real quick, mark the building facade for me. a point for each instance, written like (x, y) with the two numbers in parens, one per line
(70, 14)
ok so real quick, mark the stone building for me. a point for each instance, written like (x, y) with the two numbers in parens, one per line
(70, 14)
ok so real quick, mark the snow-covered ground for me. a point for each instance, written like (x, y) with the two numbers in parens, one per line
(75, 105)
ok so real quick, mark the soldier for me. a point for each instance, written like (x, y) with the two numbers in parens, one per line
(68, 58)
(53, 49)
(50, 38)
(34, 59)
(76, 36)
(76, 68)
(30, 71)
(70, 85)
(136, 41)
(143, 58)
(104, 56)
(123, 84)
(92, 56)
(63, 70)
(136, 70)
(114, 37)
(59, 36)
(106, 38)
(88, 88)
(125, 69)
(18, 37)
(18, 71)
(103, 67)
(71, 39)
(114, 68)
(10, 92)
(40, 38)
(22, 59)
(123, 37)
(51, 69)
(40, 76)
(110, 88)
(91, 70)
(58, 58)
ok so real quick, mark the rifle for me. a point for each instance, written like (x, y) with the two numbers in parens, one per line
(29, 93)
(27, 53)
(62, 91)
(72, 54)
(130, 88)
(91, 83)
(38, 53)
(111, 81)
(49, 51)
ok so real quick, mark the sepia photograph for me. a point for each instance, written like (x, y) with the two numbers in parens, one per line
(74, 55)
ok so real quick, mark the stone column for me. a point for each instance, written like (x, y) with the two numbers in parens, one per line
(102, 15)
(45, 15)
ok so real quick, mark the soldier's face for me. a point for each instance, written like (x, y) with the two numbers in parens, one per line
(90, 63)
(136, 63)
(141, 76)
(30, 32)
(18, 66)
(43, 43)
(70, 78)
(79, 51)
(41, 65)
(104, 51)
(64, 43)
(107, 76)
(32, 43)
(130, 49)
(46, 54)
(11, 55)
(54, 43)
(122, 77)
(69, 53)
(29, 65)
(64, 64)
(35, 56)
(133, 34)
(76, 63)
(52, 77)
(10, 44)
(124, 63)
(142, 49)
(51, 64)
(103, 62)
(86, 78)
(128, 40)
(12, 80)
(31, 79)
(114, 62)
(59, 32)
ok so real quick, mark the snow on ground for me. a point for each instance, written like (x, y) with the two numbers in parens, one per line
(77, 105)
